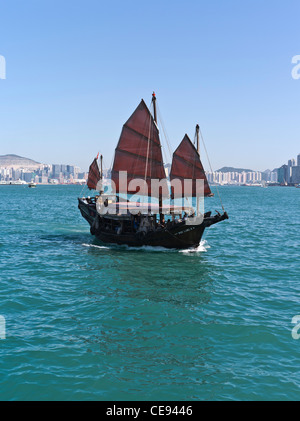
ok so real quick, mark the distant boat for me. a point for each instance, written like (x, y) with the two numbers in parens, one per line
(31, 184)
(13, 183)
(138, 154)
(298, 187)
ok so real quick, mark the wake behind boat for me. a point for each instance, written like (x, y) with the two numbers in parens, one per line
(156, 212)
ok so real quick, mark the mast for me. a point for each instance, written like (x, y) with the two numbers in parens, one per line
(154, 107)
(197, 134)
(159, 195)
(101, 168)
(198, 150)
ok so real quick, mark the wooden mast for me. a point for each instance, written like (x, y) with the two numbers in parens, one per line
(154, 107)
(159, 195)
(101, 170)
(198, 150)
(197, 134)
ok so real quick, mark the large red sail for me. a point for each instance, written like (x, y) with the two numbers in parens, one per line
(186, 165)
(94, 175)
(138, 151)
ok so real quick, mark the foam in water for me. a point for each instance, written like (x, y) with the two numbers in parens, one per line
(203, 246)
(94, 245)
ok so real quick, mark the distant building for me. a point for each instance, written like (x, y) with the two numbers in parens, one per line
(234, 177)
(296, 174)
(282, 174)
(27, 176)
(274, 177)
(63, 168)
(56, 171)
(77, 170)
(70, 169)
(291, 164)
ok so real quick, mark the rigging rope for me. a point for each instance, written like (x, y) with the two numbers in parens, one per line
(82, 190)
(165, 133)
(210, 167)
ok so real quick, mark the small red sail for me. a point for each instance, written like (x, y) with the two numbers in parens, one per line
(94, 175)
(138, 151)
(186, 165)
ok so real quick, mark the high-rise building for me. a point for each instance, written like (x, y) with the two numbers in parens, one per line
(70, 169)
(55, 170)
(274, 176)
(77, 170)
(296, 174)
(282, 174)
(298, 160)
(63, 169)
(27, 176)
(291, 164)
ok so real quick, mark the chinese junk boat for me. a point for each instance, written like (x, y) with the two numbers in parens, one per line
(138, 164)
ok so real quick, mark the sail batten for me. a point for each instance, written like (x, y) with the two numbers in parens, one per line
(140, 134)
(186, 165)
(133, 154)
(139, 150)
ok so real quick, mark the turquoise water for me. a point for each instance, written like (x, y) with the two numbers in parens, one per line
(89, 322)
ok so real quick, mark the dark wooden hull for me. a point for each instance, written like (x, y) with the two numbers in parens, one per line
(176, 236)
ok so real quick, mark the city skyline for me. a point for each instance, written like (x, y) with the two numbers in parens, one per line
(291, 161)
(69, 91)
(65, 173)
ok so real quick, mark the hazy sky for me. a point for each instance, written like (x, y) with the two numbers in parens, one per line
(76, 70)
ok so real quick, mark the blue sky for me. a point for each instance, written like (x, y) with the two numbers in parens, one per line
(76, 70)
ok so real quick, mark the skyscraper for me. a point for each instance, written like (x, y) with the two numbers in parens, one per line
(282, 174)
(296, 174)
(291, 163)
(55, 170)
(70, 169)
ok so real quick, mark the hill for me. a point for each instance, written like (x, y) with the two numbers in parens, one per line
(232, 169)
(12, 160)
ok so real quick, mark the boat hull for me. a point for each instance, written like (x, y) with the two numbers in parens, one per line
(176, 236)
(179, 237)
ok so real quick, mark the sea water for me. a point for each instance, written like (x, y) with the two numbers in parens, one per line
(81, 320)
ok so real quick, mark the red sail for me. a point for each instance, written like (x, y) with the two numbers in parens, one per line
(138, 151)
(94, 175)
(186, 165)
